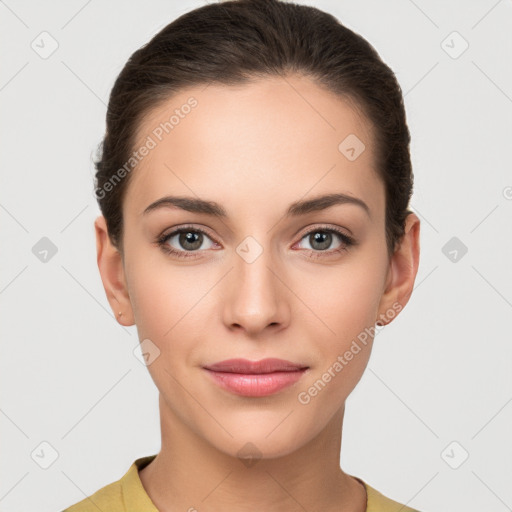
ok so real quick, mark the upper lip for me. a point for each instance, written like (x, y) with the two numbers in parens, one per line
(268, 365)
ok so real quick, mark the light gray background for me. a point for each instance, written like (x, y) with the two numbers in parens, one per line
(439, 374)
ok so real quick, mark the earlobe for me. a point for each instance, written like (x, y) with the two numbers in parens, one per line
(110, 265)
(402, 272)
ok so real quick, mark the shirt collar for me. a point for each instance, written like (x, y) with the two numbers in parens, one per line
(134, 495)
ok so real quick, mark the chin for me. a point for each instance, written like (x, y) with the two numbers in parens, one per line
(261, 441)
(250, 451)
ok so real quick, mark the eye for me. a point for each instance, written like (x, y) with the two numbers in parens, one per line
(185, 242)
(321, 238)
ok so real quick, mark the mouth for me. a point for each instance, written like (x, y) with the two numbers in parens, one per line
(255, 378)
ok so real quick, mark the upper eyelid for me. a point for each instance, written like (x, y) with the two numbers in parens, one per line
(335, 230)
(338, 230)
(178, 230)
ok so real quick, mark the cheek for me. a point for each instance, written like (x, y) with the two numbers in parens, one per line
(345, 303)
(160, 298)
(341, 302)
(174, 308)
(341, 342)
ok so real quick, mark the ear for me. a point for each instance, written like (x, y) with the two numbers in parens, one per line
(403, 268)
(112, 273)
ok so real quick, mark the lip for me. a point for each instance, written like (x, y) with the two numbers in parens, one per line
(255, 378)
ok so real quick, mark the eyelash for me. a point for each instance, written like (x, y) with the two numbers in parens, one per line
(347, 242)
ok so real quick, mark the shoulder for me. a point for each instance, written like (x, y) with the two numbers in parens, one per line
(108, 498)
(378, 502)
(124, 495)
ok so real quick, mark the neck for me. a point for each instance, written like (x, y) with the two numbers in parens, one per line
(189, 473)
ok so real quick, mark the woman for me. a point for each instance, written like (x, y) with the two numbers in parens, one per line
(254, 185)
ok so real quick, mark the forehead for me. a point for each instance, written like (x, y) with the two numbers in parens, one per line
(278, 138)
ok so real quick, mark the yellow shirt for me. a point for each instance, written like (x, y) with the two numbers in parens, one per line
(128, 495)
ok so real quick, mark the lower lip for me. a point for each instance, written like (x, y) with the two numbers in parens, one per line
(259, 384)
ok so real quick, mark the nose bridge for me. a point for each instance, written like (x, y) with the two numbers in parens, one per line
(254, 300)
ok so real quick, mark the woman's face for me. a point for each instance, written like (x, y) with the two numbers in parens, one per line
(259, 281)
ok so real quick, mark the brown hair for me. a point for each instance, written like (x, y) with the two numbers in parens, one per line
(234, 41)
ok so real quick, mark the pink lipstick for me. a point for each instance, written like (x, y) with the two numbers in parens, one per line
(255, 378)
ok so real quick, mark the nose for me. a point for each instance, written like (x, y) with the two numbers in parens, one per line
(255, 297)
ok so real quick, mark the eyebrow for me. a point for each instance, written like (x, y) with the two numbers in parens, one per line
(195, 205)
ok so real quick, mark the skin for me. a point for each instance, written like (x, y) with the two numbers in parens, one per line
(255, 149)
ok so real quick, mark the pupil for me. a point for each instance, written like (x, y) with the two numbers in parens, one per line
(188, 238)
(323, 238)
